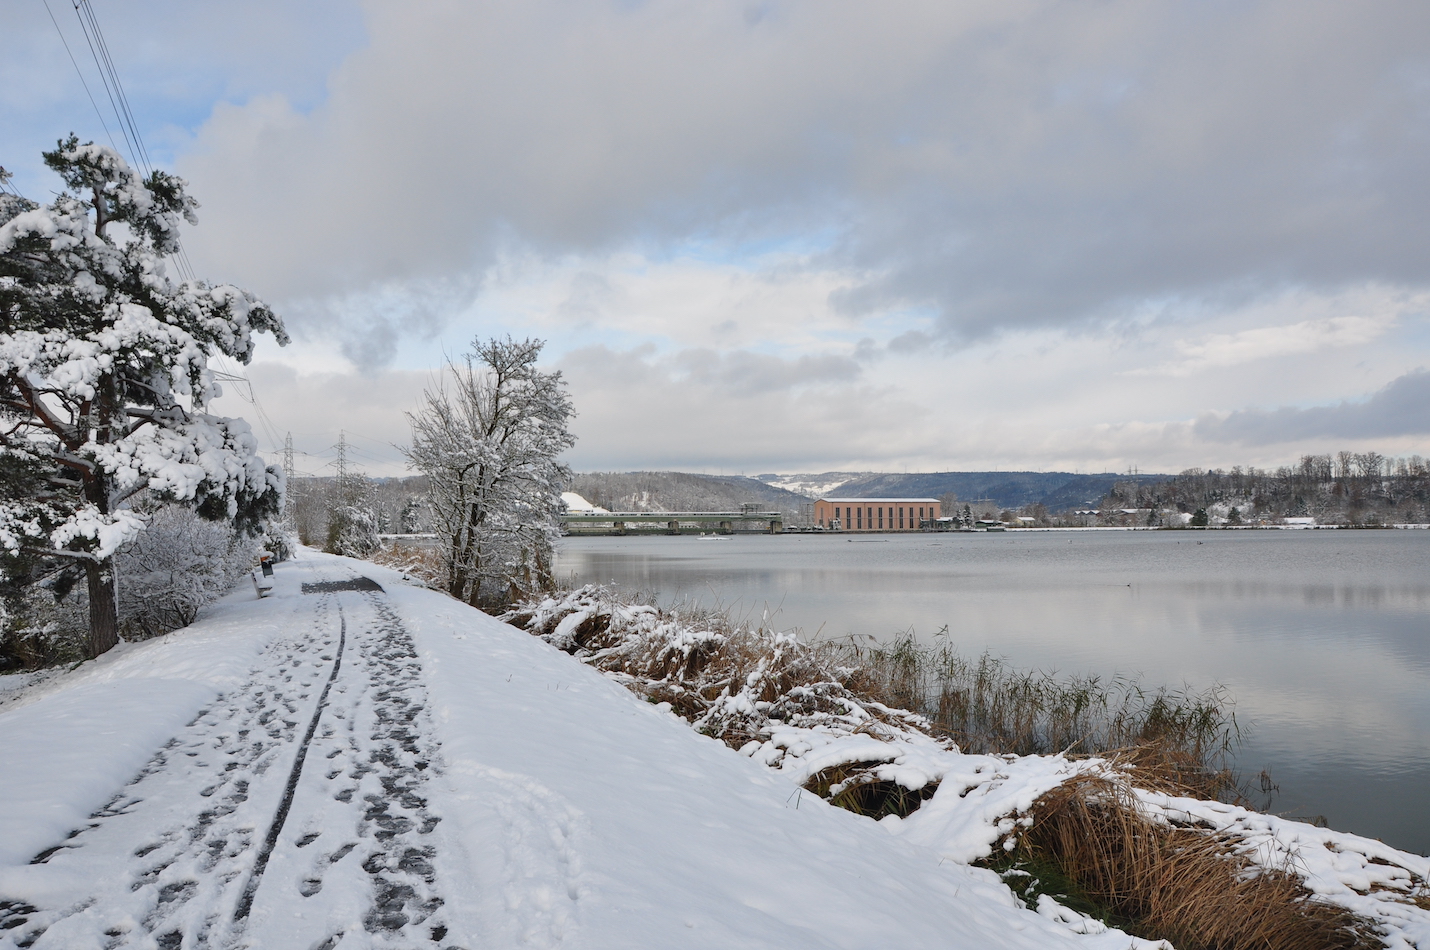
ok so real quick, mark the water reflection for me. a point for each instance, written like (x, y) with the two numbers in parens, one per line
(1322, 637)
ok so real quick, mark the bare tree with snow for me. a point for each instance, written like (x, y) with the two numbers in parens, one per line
(489, 437)
(104, 377)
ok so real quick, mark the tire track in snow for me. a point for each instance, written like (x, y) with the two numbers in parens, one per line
(245, 901)
(169, 848)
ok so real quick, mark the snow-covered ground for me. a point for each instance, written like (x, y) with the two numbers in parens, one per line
(343, 764)
(813, 486)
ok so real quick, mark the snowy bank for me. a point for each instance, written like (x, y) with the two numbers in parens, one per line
(758, 692)
(556, 807)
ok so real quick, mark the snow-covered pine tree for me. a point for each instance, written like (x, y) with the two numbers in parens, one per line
(104, 377)
(488, 438)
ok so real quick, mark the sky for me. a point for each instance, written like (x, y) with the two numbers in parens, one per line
(798, 236)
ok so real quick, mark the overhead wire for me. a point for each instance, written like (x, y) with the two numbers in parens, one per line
(139, 155)
(98, 114)
(123, 97)
(109, 87)
(119, 101)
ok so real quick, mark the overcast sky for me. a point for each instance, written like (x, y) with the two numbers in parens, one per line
(801, 236)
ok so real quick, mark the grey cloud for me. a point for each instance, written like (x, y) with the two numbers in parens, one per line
(1401, 408)
(1006, 164)
(911, 341)
(368, 327)
(736, 411)
(743, 373)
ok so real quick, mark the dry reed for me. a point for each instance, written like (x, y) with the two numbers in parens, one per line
(1194, 888)
(985, 705)
(1103, 853)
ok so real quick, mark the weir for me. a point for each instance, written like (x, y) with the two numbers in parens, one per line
(744, 521)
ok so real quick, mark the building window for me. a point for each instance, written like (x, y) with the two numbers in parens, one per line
(901, 517)
(859, 518)
(881, 517)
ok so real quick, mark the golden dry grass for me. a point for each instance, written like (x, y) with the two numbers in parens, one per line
(1192, 887)
(1189, 886)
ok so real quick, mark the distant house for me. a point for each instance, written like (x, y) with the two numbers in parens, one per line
(875, 514)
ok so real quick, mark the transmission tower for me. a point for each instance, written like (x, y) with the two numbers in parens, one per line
(288, 475)
(341, 462)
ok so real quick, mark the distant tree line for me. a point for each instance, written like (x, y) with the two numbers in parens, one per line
(1350, 488)
(321, 509)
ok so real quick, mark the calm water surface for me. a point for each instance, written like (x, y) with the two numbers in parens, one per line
(1322, 637)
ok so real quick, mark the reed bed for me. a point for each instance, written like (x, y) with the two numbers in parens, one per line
(1091, 845)
(1197, 889)
(1183, 738)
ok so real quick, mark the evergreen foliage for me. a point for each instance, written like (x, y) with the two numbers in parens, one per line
(104, 378)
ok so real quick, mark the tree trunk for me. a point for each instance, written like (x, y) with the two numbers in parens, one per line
(103, 612)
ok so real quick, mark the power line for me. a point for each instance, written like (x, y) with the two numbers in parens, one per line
(99, 115)
(89, 24)
(119, 101)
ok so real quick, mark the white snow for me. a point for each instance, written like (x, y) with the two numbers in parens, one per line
(577, 504)
(520, 798)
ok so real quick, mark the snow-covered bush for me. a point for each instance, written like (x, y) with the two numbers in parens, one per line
(352, 531)
(783, 702)
(413, 519)
(178, 565)
(39, 629)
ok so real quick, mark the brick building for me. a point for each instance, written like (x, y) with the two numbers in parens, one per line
(874, 514)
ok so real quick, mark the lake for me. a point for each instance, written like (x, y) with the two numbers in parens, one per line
(1321, 637)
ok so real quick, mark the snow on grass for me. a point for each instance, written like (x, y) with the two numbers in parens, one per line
(784, 706)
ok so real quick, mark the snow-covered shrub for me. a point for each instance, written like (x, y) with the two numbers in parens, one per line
(414, 517)
(39, 629)
(788, 704)
(421, 563)
(352, 531)
(178, 565)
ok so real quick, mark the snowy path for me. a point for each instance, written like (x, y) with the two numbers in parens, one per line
(247, 805)
(342, 767)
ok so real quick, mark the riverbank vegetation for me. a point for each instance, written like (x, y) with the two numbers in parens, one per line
(1348, 488)
(879, 728)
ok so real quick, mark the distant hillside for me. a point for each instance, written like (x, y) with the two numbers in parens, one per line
(1058, 491)
(683, 491)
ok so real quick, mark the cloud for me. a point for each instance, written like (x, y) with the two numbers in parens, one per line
(1002, 164)
(742, 373)
(1221, 350)
(738, 410)
(316, 407)
(1402, 408)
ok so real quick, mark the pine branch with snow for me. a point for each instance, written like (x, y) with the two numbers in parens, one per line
(104, 376)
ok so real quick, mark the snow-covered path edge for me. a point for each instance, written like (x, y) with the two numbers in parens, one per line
(73, 740)
(587, 817)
